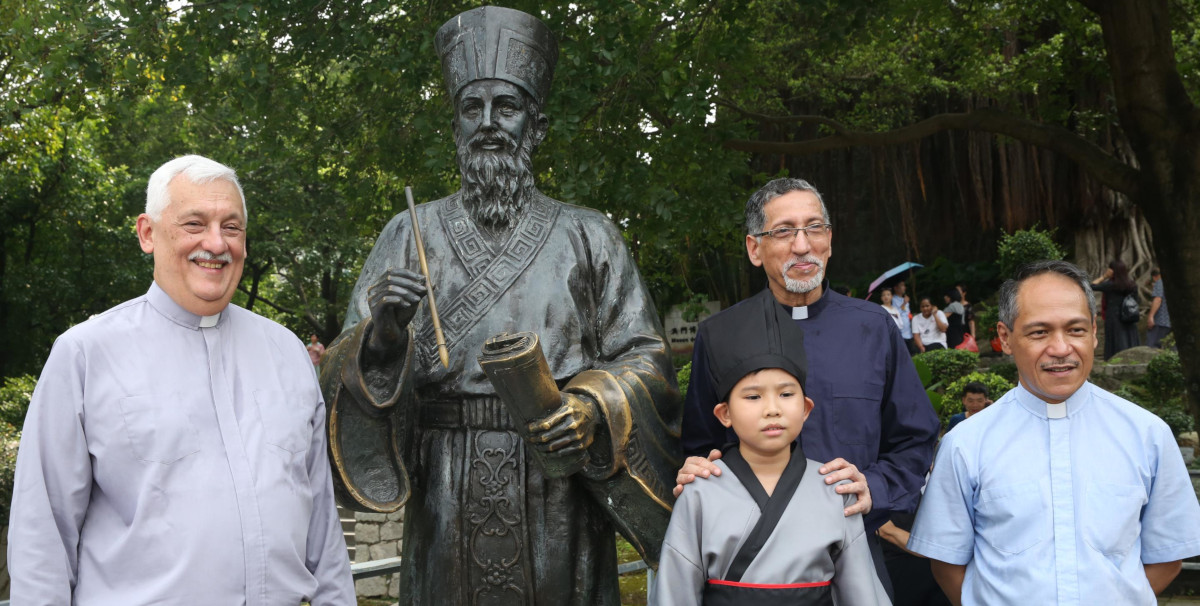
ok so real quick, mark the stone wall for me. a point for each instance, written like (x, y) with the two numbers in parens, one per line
(377, 536)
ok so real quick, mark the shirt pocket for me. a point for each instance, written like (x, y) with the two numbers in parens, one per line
(856, 412)
(1112, 516)
(1013, 518)
(286, 419)
(158, 428)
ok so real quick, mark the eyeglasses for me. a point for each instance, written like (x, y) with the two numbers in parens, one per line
(815, 232)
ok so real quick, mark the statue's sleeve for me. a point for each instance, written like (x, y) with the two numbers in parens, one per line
(368, 399)
(635, 455)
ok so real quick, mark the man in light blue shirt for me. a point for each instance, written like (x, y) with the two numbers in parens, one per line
(1061, 493)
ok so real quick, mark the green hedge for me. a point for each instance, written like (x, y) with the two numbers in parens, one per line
(947, 365)
(952, 400)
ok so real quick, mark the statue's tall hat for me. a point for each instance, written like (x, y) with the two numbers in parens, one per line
(501, 43)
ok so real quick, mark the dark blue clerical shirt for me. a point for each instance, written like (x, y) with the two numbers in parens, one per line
(870, 406)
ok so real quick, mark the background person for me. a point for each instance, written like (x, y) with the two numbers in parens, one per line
(1115, 283)
(1158, 322)
(974, 399)
(929, 327)
(956, 318)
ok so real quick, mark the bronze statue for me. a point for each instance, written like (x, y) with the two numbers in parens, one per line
(496, 513)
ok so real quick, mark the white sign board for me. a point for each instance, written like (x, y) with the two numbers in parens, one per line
(681, 335)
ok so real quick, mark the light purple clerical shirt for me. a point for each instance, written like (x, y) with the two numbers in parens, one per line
(169, 458)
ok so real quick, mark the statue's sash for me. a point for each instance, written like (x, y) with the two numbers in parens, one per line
(490, 276)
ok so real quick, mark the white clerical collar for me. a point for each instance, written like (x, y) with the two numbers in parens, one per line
(1044, 409)
(800, 313)
(165, 305)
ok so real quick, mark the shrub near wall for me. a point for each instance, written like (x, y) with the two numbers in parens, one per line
(947, 365)
(952, 403)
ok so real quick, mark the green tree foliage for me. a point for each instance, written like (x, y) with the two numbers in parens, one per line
(15, 394)
(947, 365)
(1025, 246)
(329, 107)
(1162, 391)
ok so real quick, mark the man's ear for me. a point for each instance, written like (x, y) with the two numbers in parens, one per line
(1002, 332)
(721, 411)
(145, 232)
(752, 245)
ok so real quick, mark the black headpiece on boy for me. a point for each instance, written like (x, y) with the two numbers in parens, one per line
(755, 334)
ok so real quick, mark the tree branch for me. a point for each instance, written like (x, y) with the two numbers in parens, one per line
(1109, 171)
(837, 127)
(269, 303)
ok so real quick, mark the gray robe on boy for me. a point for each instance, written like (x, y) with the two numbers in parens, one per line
(813, 548)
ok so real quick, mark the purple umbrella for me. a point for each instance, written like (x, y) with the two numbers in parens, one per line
(893, 275)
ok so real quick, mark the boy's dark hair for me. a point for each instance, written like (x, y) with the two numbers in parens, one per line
(954, 295)
(975, 387)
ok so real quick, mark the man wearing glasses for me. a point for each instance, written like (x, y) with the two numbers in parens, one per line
(872, 422)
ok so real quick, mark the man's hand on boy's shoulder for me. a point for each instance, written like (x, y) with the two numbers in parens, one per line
(696, 466)
(840, 469)
(834, 471)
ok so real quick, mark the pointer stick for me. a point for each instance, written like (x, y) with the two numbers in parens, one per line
(437, 324)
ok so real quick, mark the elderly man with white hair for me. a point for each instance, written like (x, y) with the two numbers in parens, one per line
(174, 451)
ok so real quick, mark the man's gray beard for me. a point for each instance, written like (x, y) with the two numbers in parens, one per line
(496, 184)
(801, 287)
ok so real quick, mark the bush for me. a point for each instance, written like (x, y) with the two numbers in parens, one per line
(1008, 370)
(996, 384)
(9, 438)
(14, 403)
(14, 399)
(952, 400)
(1026, 246)
(683, 376)
(985, 323)
(1164, 377)
(1162, 391)
(946, 365)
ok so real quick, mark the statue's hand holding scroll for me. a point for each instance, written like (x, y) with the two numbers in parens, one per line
(566, 431)
(393, 300)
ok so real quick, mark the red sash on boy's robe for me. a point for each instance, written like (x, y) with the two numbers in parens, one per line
(490, 274)
(730, 591)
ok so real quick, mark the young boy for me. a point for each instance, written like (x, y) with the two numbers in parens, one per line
(768, 529)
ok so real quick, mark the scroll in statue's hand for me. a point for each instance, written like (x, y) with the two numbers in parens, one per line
(566, 431)
(393, 300)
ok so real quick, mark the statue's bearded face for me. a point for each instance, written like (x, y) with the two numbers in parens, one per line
(495, 131)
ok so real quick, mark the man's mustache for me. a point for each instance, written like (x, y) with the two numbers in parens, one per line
(1059, 362)
(204, 255)
(492, 137)
(794, 261)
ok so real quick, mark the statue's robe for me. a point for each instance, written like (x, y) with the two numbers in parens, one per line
(483, 524)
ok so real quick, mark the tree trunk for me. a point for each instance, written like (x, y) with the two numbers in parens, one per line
(1163, 126)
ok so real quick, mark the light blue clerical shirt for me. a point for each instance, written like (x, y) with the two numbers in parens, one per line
(169, 458)
(1066, 510)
